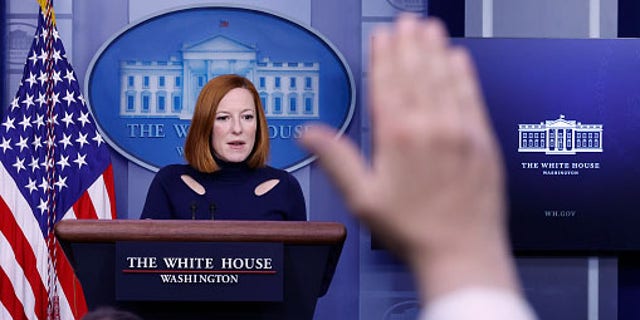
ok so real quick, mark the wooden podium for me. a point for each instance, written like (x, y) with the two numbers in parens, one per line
(310, 255)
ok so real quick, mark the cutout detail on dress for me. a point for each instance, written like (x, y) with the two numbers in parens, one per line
(266, 186)
(193, 184)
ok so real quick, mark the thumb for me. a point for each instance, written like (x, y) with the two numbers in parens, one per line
(339, 157)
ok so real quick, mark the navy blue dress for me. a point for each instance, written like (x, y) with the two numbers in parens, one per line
(230, 194)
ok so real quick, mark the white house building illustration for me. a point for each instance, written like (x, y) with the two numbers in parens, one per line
(169, 89)
(560, 136)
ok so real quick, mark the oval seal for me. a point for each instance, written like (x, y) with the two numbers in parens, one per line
(143, 83)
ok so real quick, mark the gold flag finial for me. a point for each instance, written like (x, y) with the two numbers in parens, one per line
(43, 6)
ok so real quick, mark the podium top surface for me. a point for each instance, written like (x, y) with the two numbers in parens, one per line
(288, 232)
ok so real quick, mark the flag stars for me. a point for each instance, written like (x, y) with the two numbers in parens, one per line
(55, 99)
(61, 183)
(50, 143)
(37, 143)
(5, 144)
(65, 141)
(47, 163)
(41, 99)
(44, 34)
(14, 104)
(42, 56)
(39, 121)
(98, 139)
(34, 165)
(80, 160)
(56, 77)
(32, 79)
(69, 98)
(28, 101)
(35, 139)
(63, 162)
(42, 206)
(42, 78)
(69, 76)
(56, 56)
(53, 119)
(55, 34)
(19, 164)
(44, 185)
(22, 143)
(84, 118)
(33, 58)
(68, 119)
(31, 186)
(8, 124)
(25, 123)
(82, 139)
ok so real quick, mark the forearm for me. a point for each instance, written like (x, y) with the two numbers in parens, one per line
(479, 303)
(465, 261)
(477, 278)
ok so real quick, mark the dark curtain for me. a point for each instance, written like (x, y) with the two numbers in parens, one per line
(628, 18)
(451, 12)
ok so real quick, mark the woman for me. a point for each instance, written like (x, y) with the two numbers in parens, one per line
(226, 176)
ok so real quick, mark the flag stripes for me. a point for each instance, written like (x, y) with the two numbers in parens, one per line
(54, 165)
(28, 267)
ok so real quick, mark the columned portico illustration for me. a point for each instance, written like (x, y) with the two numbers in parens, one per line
(160, 89)
(210, 58)
(560, 136)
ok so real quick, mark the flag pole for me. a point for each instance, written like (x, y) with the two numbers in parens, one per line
(53, 309)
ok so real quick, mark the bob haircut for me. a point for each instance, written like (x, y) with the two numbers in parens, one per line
(198, 150)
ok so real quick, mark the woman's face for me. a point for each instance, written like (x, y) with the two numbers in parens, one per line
(234, 126)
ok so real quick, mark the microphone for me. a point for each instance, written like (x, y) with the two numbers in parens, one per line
(194, 207)
(212, 209)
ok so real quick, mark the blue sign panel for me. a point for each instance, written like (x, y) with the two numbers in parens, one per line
(198, 271)
(567, 114)
(142, 85)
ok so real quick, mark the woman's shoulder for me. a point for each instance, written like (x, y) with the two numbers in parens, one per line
(280, 174)
(274, 172)
(173, 170)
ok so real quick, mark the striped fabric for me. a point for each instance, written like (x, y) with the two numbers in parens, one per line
(54, 165)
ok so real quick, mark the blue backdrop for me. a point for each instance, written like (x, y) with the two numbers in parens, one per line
(525, 81)
(588, 201)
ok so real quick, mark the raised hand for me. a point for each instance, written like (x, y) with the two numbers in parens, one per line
(434, 191)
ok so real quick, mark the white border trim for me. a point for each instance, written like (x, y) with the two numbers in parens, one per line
(487, 18)
(593, 288)
(594, 19)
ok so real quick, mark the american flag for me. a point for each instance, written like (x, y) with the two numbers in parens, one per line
(55, 165)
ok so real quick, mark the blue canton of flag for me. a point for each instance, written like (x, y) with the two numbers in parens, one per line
(55, 165)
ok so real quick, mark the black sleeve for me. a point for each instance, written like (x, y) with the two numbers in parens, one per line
(298, 209)
(158, 204)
